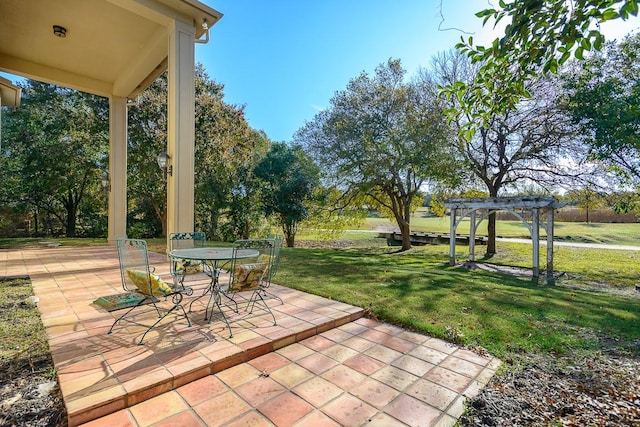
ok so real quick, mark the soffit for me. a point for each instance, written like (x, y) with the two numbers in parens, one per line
(111, 46)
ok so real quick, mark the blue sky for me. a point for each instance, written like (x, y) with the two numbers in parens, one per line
(284, 59)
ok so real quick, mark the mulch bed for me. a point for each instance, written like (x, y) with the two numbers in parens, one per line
(561, 391)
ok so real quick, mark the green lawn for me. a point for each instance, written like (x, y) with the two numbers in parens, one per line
(501, 313)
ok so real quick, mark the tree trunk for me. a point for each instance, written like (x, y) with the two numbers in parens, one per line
(71, 223)
(289, 230)
(245, 231)
(163, 221)
(405, 230)
(491, 232)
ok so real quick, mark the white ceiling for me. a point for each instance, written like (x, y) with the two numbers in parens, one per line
(112, 46)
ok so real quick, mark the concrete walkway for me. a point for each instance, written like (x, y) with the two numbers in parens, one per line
(323, 364)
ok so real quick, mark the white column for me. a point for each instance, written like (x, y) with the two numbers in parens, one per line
(550, 219)
(472, 236)
(535, 238)
(181, 128)
(452, 237)
(117, 226)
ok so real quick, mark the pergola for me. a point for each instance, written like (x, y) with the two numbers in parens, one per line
(477, 209)
(117, 48)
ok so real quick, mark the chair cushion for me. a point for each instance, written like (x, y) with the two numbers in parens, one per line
(248, 276)
(159, 287)
(187, 266)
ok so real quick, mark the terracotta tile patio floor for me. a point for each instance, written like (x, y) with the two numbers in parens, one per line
(324, 364)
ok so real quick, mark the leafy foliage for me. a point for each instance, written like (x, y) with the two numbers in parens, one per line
(383, 138)
(586, 198)
(289, 179)
(604, 100)
(539, 37)
(54, 145)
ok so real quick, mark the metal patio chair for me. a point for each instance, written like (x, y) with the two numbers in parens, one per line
(246, 275)
(273, 269)
(139, 277)
(181, 268)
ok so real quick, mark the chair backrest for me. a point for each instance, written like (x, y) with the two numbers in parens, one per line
(136, 274)
(277, 246)
(250, 273)
(191, 239)
(133, 257)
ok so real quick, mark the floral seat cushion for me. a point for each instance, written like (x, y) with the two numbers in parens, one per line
(187, 266)
(158, 286)
(248, 276)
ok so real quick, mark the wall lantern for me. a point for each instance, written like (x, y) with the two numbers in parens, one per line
(163, 162)
(106, 183)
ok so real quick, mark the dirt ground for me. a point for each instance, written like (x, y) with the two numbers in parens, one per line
(566, 391)
(30, 399)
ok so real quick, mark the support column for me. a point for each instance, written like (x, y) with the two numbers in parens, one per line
(117, 224)
(550, 226)
(452, 238)
(181, 128)
(535, 238)
(472, 235)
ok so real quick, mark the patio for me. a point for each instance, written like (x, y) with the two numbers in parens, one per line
(323, 364)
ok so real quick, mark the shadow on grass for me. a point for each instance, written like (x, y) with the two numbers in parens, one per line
(501, 313)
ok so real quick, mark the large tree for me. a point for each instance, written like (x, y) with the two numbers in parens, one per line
(289, 178)
(55, 144)
(529, 142)
(382, 137)
(226, 150)
(604, 100)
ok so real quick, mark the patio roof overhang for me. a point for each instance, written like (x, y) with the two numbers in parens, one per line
(112, 47)
(116, 48)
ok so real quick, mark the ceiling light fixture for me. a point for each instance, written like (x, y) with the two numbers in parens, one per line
(60, 31)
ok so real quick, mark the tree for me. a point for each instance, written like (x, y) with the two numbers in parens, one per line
(226, 151)
(383, 138)
(527, 142)
(586, 198)
(289, 178)
(604, 100)
(58, 139)
(539, 37)
(146, 186)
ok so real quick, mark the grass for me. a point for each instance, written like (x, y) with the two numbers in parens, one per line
(504, 314)
(23, 342)
(618, 269)
(30, 242)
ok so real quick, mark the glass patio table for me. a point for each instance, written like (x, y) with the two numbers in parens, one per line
(211, 258)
